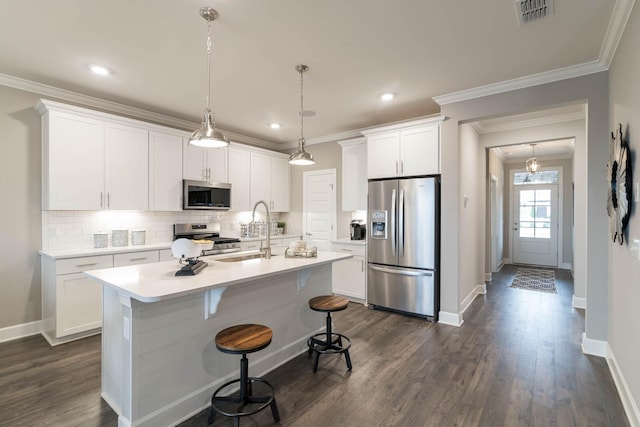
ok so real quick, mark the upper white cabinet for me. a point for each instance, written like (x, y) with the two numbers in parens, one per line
(205, 164)
(354, 174)
(240, 178)
(165, 171)
(126, 167)
(270, 180)
(407, 149)
(91, 162)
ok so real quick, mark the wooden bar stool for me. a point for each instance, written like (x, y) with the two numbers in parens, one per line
(333, 342)
(243, 339)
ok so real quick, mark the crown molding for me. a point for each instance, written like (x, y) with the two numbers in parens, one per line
(522, 82)
(117, 108)
(618, 22)
(619, 18)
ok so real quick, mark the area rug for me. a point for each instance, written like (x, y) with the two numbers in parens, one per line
(535, 279)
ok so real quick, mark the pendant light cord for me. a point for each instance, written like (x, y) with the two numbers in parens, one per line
(301, 108)
(209, 64)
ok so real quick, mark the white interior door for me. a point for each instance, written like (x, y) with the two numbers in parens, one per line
(535, 220)
(494, 224)
(319, 207)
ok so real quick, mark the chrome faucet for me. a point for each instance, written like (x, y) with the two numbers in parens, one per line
(267, 250)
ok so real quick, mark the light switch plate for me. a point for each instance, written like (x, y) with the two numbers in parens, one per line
(636, 192)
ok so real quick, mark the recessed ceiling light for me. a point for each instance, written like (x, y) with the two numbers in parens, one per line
(387, 96)
(99, 69)
(274, 125)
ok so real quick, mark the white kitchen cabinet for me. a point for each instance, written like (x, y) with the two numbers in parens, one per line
(166, 255)
(270, 180)
(91, 161)
(409, 150)
(126, 167)
(71, 303)
(354, 175)
(240, 178)
(349, 275)
(165, 171)
(205, 164)
(135, 258)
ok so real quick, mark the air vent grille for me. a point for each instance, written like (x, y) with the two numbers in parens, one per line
(533, 10)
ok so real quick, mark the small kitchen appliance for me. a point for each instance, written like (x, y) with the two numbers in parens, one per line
(358, 230)
(187, 252)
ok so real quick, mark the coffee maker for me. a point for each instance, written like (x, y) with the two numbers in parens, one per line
(358, 230)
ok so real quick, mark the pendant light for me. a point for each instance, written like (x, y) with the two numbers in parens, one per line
(302, 157)
(207, 136)
(532, 164)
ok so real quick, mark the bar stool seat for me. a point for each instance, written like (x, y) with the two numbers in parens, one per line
(328, 342)
(243, 339)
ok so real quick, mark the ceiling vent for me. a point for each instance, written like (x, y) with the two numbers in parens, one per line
(533, 10)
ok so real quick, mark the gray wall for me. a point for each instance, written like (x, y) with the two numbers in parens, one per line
(20, 217)
(624, 269)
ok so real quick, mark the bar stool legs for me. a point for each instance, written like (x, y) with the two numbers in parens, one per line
(328, 342)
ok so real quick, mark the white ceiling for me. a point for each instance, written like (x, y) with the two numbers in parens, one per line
(356, 50)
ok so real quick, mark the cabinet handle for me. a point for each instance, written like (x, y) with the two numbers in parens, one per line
(396, 167)
(346, 250)
(87, 265)
(108, 199)
(101, 200)
(401, 167)
(362, 267)
(137, 259)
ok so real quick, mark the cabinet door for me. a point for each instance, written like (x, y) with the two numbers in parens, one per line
(279, 184)
(239, 177)
(126, 167)
(419, 151)
(260, 178)
(348, 278)
(193, 162)
(135, 258)
(354, 178)
(79, 304)
(217, 163)
(382, 155)
(73, 162)
(165, 172)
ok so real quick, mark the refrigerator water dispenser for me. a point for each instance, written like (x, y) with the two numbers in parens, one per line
(378, 224)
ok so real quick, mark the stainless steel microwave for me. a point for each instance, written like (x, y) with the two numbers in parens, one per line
(206, 195)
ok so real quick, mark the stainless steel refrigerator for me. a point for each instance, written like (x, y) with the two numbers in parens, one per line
(403, 248)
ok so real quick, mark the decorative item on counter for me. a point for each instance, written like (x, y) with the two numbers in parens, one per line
(100, 240)
(137, 237)
(120, 237)
(299, 248)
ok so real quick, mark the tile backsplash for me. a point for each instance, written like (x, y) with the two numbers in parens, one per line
(74, 229)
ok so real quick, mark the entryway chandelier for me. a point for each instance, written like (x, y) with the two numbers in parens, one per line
(302, 157)
(532, 164)
(207, 136)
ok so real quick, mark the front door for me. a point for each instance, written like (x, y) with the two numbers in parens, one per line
(535, 220)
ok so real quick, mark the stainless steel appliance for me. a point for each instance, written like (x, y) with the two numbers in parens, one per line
(403, 246)
(208, 231)
(358, 230)
(206, 195)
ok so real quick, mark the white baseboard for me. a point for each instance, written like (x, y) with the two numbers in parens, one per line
(20, 331)
(478, 290)
(566, 266)
(506, 261)
(487, 277)
(628, 402)
(453, 319)
(578, 302)
(500, 265)
(594, 347)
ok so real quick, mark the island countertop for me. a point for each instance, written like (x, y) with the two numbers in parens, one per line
(157, 281)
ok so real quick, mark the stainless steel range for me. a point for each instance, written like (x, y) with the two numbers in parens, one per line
(207, 231)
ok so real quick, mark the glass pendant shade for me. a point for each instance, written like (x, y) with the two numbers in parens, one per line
(532, 164)
(206, 135)
(302, 157)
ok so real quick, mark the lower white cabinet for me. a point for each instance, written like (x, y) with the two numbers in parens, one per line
(71, 302)
(349, 275)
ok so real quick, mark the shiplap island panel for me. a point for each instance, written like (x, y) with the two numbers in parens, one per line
(159, 362)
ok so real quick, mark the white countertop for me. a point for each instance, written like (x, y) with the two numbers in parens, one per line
(348, 241)
(157, 281)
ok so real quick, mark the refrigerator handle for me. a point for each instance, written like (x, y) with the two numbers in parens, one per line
(402, 272)
(401, 224)
(393, 221)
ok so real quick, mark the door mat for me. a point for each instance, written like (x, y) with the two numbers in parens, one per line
(535, 279)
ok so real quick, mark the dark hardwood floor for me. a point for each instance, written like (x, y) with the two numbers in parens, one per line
(516, 361)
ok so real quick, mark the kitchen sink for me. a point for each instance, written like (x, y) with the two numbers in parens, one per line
(244, 257)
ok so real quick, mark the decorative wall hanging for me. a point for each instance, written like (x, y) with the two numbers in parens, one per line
(621, 185)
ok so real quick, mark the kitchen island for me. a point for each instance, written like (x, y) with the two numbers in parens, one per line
(160, 364)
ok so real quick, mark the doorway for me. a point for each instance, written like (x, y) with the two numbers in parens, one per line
(319, 207)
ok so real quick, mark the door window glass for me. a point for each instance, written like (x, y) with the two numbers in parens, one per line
(535, 214)
(542, 177)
